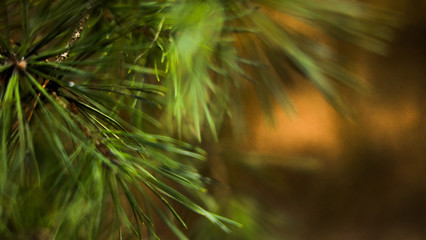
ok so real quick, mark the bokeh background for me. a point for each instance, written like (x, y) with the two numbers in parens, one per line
(318, 175)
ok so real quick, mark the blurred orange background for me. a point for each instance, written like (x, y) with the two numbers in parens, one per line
(318, 175)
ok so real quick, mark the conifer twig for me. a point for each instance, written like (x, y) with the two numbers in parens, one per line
(102, 148)
(60, 58)
(157, 34)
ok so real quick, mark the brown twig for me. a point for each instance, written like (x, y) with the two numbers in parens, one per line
(102, 148)
(29, 109)
(157, 34)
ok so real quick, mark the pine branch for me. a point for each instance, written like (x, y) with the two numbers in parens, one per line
(88, 106)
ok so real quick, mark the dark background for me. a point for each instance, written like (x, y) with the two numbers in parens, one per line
(318, 175)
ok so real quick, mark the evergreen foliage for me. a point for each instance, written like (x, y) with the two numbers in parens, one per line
(89, 88)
